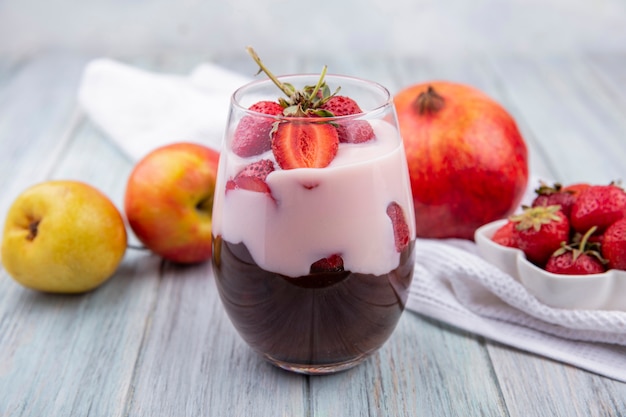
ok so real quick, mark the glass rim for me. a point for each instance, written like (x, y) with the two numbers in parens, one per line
(387, 99)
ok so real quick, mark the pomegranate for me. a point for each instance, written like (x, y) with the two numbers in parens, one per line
(467, 160)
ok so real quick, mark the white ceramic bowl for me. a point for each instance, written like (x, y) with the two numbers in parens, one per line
(606, 291)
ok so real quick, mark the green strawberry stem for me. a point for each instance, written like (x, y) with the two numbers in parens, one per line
(300, 99)
(535, 217)
(586, 236)
(319, 84)
(285, 88)
(582, 246)
(579, 247)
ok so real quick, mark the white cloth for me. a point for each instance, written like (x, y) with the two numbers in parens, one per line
(140, 110)
(452, 283)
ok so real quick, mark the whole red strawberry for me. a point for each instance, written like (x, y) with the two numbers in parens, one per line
(506, 235)
(576, 189)
(252, 135)
(555, 195)
(341, 106)
(568, 263)
(354, 131)
(267, 107)
(350, 131)
(577, 258)
(539, 231)
(598, 205)
(614, 245)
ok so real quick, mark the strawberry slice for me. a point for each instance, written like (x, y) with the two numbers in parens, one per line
(252, 177)
(304, 145)
(334, 263)
(252, 135)
(400, 226)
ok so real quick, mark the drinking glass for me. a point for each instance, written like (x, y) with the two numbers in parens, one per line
(313, 264)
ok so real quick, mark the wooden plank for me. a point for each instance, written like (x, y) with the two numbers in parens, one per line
(9, 67)
(426, 368)
(609, 69)
(561, 110)
(67, 355)
(36, 118)
(599, 114)
(194, 363)
(534, 386)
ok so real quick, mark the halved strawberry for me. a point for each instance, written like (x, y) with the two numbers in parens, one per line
(252, 177)
(252, 135)
(400, 226)
(304, 144)
(334, 263)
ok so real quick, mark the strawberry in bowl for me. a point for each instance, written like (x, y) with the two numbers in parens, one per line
(587, 268)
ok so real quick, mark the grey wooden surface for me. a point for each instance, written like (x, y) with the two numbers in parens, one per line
(155, 341)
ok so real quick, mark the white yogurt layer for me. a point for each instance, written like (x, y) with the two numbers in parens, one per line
(316, 212)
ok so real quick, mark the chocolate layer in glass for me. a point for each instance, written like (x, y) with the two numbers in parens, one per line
(322, 319)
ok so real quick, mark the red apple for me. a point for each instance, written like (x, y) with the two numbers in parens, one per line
(169, 198)
(468, 162)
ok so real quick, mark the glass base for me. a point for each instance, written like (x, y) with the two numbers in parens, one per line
(324, 369)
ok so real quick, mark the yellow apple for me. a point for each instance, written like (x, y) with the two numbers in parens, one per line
(169, 198)
(62, 237)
